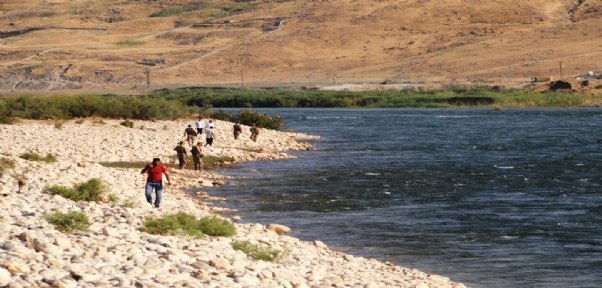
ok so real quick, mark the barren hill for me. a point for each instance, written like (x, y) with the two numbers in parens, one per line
(61, 44)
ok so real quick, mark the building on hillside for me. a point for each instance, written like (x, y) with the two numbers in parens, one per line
(588, 75)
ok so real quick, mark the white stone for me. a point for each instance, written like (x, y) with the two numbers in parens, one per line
(4, 277)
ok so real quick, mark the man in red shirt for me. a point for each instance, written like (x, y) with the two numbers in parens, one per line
(154, 180)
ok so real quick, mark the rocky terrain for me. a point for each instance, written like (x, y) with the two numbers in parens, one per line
(115, 253)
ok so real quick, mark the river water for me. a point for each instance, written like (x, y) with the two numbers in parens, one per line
(509, 198)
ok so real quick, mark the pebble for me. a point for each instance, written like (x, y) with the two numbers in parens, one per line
(114, 252)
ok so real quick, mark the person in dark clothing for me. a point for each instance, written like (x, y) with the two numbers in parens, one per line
(190, 135)
(254, 133)
(197, 155)
(182, 153)
(237, 130)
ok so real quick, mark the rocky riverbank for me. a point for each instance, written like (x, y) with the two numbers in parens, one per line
(113, 252)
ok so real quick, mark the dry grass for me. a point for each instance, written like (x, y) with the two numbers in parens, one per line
(355, 41)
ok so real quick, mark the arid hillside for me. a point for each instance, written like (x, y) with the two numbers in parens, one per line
(113, 44)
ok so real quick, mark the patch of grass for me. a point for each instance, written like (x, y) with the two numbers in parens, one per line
(214, 226)
(258, 252)
(32, 67)
(208, 162)
(122, 164)
(80, 121)
(92, 190)
(7, 120)
(47, 14)
(68, 222)
(50, 158)
(246, 149)
(98, 122)
(6, 164)
(185, 224)
(131, 43)
(212, 160)
(127, 123)
(58, 125)
(178, 10)
(113, 199)
(129, 203)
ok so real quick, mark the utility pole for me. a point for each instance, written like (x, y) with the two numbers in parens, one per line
(509, 73)
(561, 66)
(147, 78)
(400, 79)
(242, 79)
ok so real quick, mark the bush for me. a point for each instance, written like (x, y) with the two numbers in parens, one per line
(175, 224)
(83, 106)
(258, 252)
(58, 125)
(129, 203)
(50, 158)
(214, 226)
(69, 222)
(92, 190)
(6, 164)
(7, 120)
(127, 123)
(248, 117)
(185, 224)
(80, 121)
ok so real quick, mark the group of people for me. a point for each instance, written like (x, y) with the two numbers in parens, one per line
(200, 125)
(155, 170)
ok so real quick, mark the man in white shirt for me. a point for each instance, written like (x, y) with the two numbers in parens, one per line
(200, 124)
(209, 134)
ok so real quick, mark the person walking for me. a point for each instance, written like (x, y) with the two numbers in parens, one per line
(254, 133)
(209, 135)
(200, 124)
(190, 135)
(211, 124)
(154, 180)
(197, 155)
(237, 130)
(181, 150)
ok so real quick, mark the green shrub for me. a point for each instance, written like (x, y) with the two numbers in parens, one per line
(214, 226)
(99, 122)
(6, 164)
(80, 121)
(50, 158)
(113, 199)
(92, 190)
(129, 203)
(127, 123)
(258, 252)
(248, 117)
(58, 125)
(185, 224)
(47, 14)
(175, 224)
(84, 106)
(7, 120)
(69, 222)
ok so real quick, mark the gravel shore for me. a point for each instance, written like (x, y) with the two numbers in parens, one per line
(114, 252)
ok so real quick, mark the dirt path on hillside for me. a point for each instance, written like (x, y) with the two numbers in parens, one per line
(197, 58)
